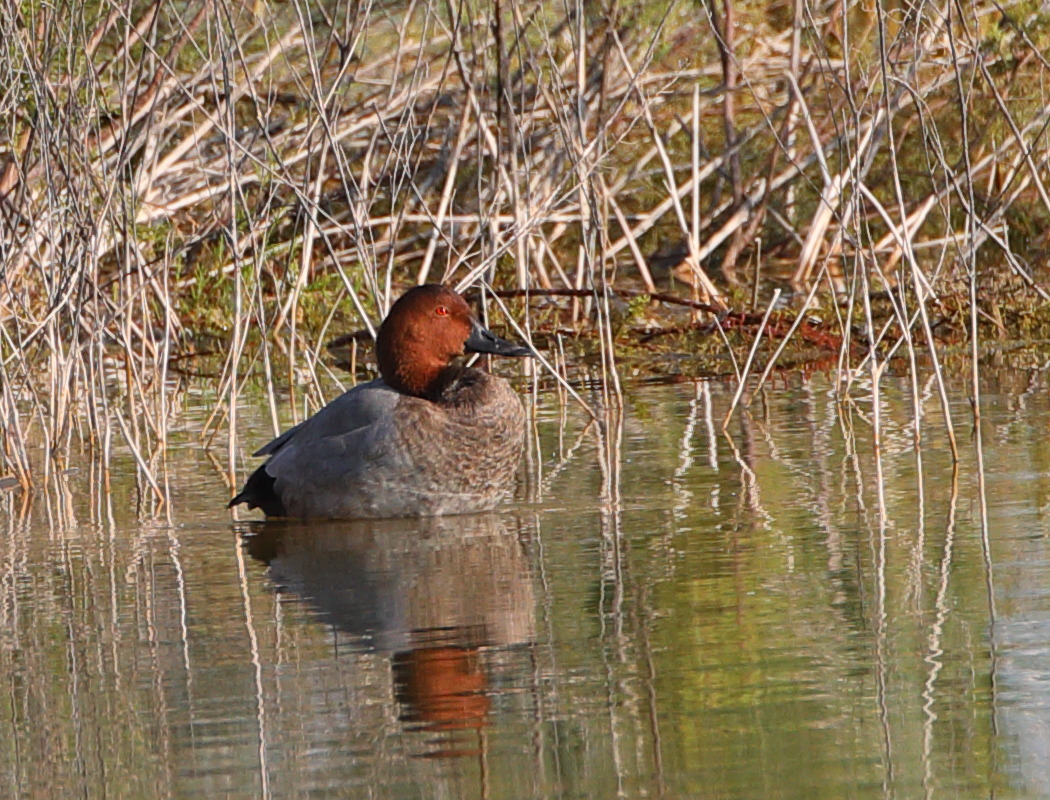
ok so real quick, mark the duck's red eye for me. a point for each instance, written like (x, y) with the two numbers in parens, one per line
(441, 311)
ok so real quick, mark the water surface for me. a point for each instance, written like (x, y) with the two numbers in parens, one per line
(665, 610)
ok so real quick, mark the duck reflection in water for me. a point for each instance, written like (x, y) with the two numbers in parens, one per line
(449, 599)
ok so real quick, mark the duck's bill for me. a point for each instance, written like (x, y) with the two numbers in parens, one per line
(482, 340)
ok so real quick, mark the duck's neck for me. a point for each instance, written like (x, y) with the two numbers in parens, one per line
(415, 382)
(439, 385)
(409, 368)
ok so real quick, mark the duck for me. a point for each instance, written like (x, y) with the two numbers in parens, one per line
(429, 437)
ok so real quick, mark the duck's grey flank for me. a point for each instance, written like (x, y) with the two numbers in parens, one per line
(375, 453)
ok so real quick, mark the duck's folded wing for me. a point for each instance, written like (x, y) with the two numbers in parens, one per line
(337, 476)
(276, 444)
(358, 408)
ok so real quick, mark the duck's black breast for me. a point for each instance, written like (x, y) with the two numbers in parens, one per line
(461, 387)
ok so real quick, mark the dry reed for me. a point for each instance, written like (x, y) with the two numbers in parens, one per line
(160, 161)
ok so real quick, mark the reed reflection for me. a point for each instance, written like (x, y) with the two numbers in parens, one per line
(448, 600)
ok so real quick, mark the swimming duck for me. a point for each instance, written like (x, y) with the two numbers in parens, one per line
(426, 438)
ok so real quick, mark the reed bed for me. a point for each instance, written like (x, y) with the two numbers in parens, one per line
(257, 171)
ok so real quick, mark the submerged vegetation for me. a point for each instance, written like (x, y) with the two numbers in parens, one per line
(220, 188)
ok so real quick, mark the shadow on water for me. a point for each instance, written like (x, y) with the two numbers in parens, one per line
(448, 601)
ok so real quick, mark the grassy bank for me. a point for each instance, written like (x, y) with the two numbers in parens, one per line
(248, 180)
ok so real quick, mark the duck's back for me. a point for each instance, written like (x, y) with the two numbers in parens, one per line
(376, 453)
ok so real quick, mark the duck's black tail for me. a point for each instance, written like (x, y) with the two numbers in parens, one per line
(258, 492)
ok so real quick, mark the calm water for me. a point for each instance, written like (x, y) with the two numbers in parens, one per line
(665, 611)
